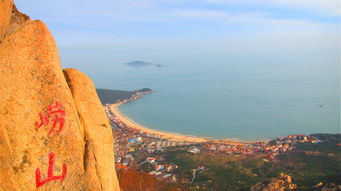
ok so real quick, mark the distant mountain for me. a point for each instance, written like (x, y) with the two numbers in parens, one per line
(138, 63)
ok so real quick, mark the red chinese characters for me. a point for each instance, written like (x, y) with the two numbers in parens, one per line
(50, 176)
(55, 114)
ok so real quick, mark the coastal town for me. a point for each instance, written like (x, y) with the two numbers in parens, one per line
(136, 148)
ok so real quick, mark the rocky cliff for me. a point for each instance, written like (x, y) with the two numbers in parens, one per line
(54, 134)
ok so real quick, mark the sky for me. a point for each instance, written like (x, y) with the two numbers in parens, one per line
(125, 30)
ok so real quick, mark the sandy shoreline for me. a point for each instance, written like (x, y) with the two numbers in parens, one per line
(167, 135)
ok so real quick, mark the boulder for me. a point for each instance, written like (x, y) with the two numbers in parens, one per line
(281, 183)
(97, 131)
(48, 139)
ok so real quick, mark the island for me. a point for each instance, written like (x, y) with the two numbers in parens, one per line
(138, 63)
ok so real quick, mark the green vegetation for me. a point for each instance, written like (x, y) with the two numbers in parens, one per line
(112, 96)
(143, 90)
(222, 171)
(308, 165)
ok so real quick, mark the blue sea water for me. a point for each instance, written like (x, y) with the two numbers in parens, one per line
(253, 98)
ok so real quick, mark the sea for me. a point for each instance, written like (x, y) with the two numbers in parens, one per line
(250, 98)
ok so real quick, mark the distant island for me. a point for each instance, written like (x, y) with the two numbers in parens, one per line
(138, 63)
(113, 96)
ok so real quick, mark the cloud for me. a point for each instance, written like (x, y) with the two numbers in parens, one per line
(242, 18)
(199, 13)
(86, 20)
(330, 7)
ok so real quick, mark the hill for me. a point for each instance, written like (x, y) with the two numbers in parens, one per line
(112, 96)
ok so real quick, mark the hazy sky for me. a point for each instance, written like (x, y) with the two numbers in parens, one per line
(130, 30)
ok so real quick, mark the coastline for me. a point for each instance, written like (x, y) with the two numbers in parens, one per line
(114, 108)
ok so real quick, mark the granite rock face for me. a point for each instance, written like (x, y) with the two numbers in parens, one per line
(49, 140)
(5, 16)
(97, 130)
(281, 183)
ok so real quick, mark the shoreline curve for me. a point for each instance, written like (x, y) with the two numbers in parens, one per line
(114, 108)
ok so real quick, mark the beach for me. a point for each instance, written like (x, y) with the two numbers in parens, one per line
(114, 108)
